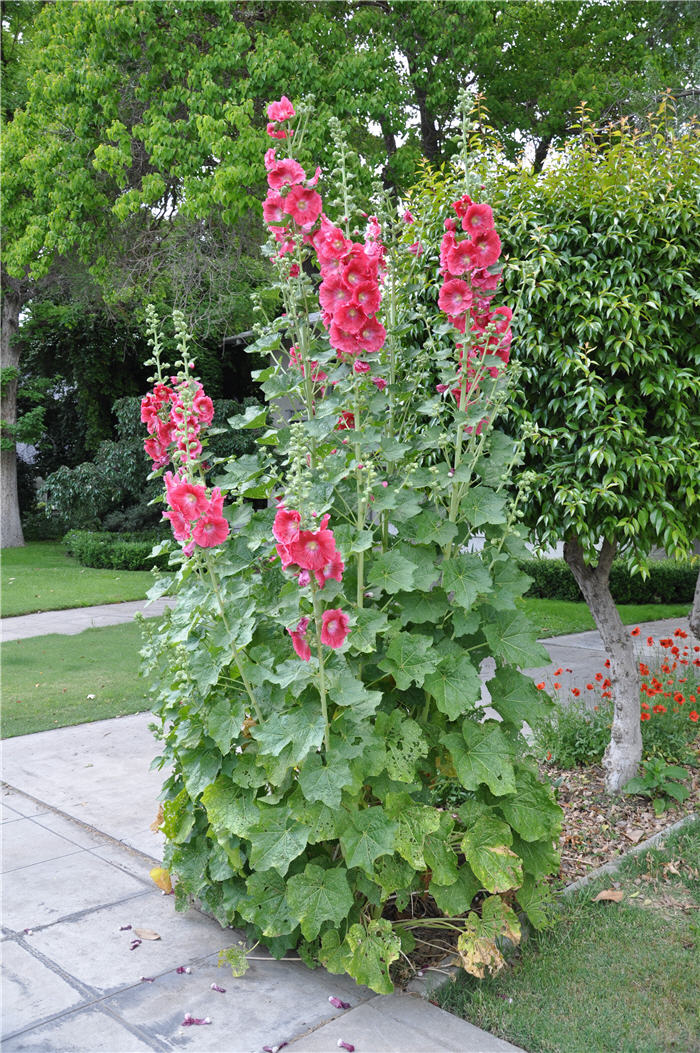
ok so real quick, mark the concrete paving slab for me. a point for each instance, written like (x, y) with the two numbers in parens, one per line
(94, 948)
(46, 892)
(271, 1004)
(30, 990)
(97, 773)
(8, 815)
(79, 835)
(25, 843)
(85, 1031)
(77, 619)
(18, 802)
(127, 860)
(400, 1024)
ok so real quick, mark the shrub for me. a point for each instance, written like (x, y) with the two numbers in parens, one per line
(668, 581)
(113, 551)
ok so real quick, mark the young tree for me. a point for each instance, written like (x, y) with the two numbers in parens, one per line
(608, 244)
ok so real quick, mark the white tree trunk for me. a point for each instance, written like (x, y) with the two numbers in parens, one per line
(694, 616)
(624, 751)
(10, 524)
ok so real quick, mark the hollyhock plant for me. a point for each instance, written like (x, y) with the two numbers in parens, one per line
(321, 664)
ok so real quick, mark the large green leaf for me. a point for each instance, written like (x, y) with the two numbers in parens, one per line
(509, 583)
(324, 782)
(516, 699)
(347, 690)
(403, 743)
(455, 686)
(415, 822)
(456, 899)
(372, 950)
(224, 721)
(364, 632)
(229, 808)
(483, 505)
(319, 895)
(512, 639)
(302, 729)
(200, 767)
(465, 576)
(421, 606)
(531, 811)
(366, 835)
(536, 900)
(540, 858)
(486, 847)
(409, 659)
(266, 904)
(482, 754)
(391, 573)
(431, 526)
(276, 839)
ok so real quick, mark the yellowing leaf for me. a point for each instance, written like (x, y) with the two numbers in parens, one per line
(146, 934)
(478, 955)
(613, 894)
(162, 879)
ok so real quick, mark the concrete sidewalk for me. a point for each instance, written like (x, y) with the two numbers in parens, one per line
(77, 849)
(77, 619)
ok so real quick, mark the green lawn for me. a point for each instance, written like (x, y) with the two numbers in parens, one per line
(610, 977)
(47, 679)
(559, 617)
(42, 577)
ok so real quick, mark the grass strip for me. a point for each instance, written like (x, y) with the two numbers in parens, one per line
(49, 681)
(43, 577)
(607, 976)
(560, 617)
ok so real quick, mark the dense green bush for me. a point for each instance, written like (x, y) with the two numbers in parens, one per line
(113, 551)
(669, 581)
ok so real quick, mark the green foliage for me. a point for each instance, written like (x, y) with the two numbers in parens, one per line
(115, 551)
(575, 735)
(300, 801)
(667, 581)
(660, 782)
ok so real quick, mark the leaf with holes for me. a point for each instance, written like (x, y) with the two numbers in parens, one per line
(486, 848)
(319, 895)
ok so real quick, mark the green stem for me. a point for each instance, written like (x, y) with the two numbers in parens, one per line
(246, 683)
(361, 503)
(321, 670)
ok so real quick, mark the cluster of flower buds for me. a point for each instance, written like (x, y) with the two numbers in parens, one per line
(292, 204)
(174, 416)
(350, 292)
(310, 552)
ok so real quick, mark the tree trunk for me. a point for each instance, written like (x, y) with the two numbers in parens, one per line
(624, 751)
(10, 524)
(694, 616)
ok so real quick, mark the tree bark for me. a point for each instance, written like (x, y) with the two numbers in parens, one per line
(694, 616)
(624, 751)
(11, 535)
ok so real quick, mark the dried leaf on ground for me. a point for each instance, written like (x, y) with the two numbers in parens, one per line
(612, 894)
(147, 934)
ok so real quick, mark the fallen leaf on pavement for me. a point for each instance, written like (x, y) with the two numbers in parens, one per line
(162, 879)
(147, 934)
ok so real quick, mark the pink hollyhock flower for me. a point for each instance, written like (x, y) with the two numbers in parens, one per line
(379, 383)
(299, 643)
(350, 318)
(294, 271)
(286, 525)
(408, 217)
(478, 218)
(332, 293)
(285, 555)
(450, 224)
(281, 110)
(461, 205)
(313, 550)
(284, 173)
(149, 411)
(303, 205)
(346, 421)
(180, 524)
(189, 499)
(210, 529)
(367, 296)
(315, 178)
(502, 317)
(344, 341)
(157, 452)
(203, 407)
(357, 270)
(459, 258)
(416, 248)
(455, 297)
(361, 367)
(482, 279)
(372, 335)
(270, 159)
(165, 431)
(329, 241)
(190, 448)
(275, 133)
(334, 629)
(334, 570)
(486, 248)
(303, 579)
(274, 210)
(448, 242)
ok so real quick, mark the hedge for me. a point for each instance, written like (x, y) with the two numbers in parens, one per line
(113, 551)
(669, 581)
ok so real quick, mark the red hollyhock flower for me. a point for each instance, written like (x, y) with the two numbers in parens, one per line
(367, 296)
(350, 317)
(455, 297)
(188, 499)
(284, 173)
(203, 406)
(333, 293)
(299, 643)
(286, 525)
(459, 258)
(478, 218)
(486, 248)
(334, 570)
(303, 205)
(274, 210)
(180, 524)
(313, 550)
(346, 421)
(372, 335)
(281, 110)
(334, 629)
(210, 529)
(342, 340)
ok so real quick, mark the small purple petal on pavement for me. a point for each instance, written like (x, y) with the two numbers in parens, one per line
(183, 969)
(274, 1049)
(134, 945)
(221, 990)
(346, 1045)
(123, 928)
(190, 1020)
(147, 980)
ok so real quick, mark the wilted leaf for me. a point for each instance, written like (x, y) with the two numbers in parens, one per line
(162, 879)
(612, 894)
(146, 934)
